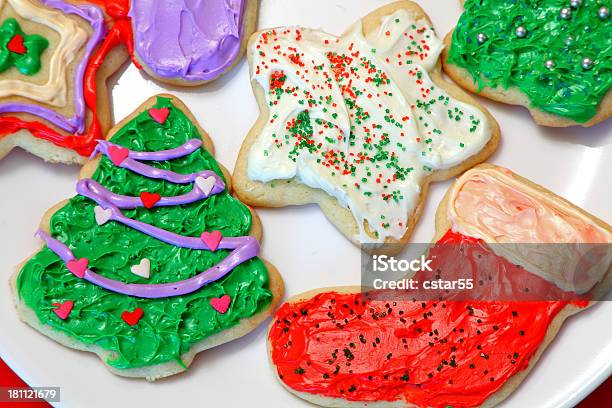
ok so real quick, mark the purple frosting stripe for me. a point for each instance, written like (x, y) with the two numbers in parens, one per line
(95, 191)
(75, 124)
(132, 163)
(243, 248)
(188, 147)
(103, 197)
(249, 249)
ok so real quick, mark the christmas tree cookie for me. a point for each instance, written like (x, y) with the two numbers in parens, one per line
(341, 347)
(553, 57)
(359, 124)
(190, 43)
(154, 260)
(55, 58)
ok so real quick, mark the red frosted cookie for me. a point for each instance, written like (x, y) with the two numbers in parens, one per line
(341, 347)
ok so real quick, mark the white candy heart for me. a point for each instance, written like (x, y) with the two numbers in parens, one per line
(102, 214)
(143, 269)
(205, 184)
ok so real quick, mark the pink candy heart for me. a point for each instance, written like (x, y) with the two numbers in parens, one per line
(221, 304)
(118, 154)
(159, 115)
(212, 239)
(63, 309)
(78, 266)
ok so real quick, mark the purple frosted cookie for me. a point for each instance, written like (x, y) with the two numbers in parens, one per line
(190, 42)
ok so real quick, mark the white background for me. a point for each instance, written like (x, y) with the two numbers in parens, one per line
(575, 163)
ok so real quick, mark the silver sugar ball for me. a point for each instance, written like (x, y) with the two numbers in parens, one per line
(521, 32)
(569, 40)
(550, 64)
(565, 13)
(587, 63)
(575, 3)
(481, 38)
(603, 13)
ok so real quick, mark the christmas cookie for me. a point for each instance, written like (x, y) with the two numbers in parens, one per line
(359, 124)
(154, 260)
(55, 58)
(339, 347)
(553, 57)
(191, 43)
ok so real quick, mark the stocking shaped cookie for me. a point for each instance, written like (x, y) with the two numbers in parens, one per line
(153, 261)
(553, 57)
(55, 57)
(359, 124)
(189, 43)
(343, 347)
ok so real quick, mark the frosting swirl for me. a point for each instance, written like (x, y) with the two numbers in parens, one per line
(72, 38)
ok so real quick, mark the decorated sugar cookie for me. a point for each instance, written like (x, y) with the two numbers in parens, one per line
(153, 260)
(341, 347)
(190, 43)
(359, 124)
(55, 57)
(553, 57)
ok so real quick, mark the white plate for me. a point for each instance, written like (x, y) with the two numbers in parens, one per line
(575, 163)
